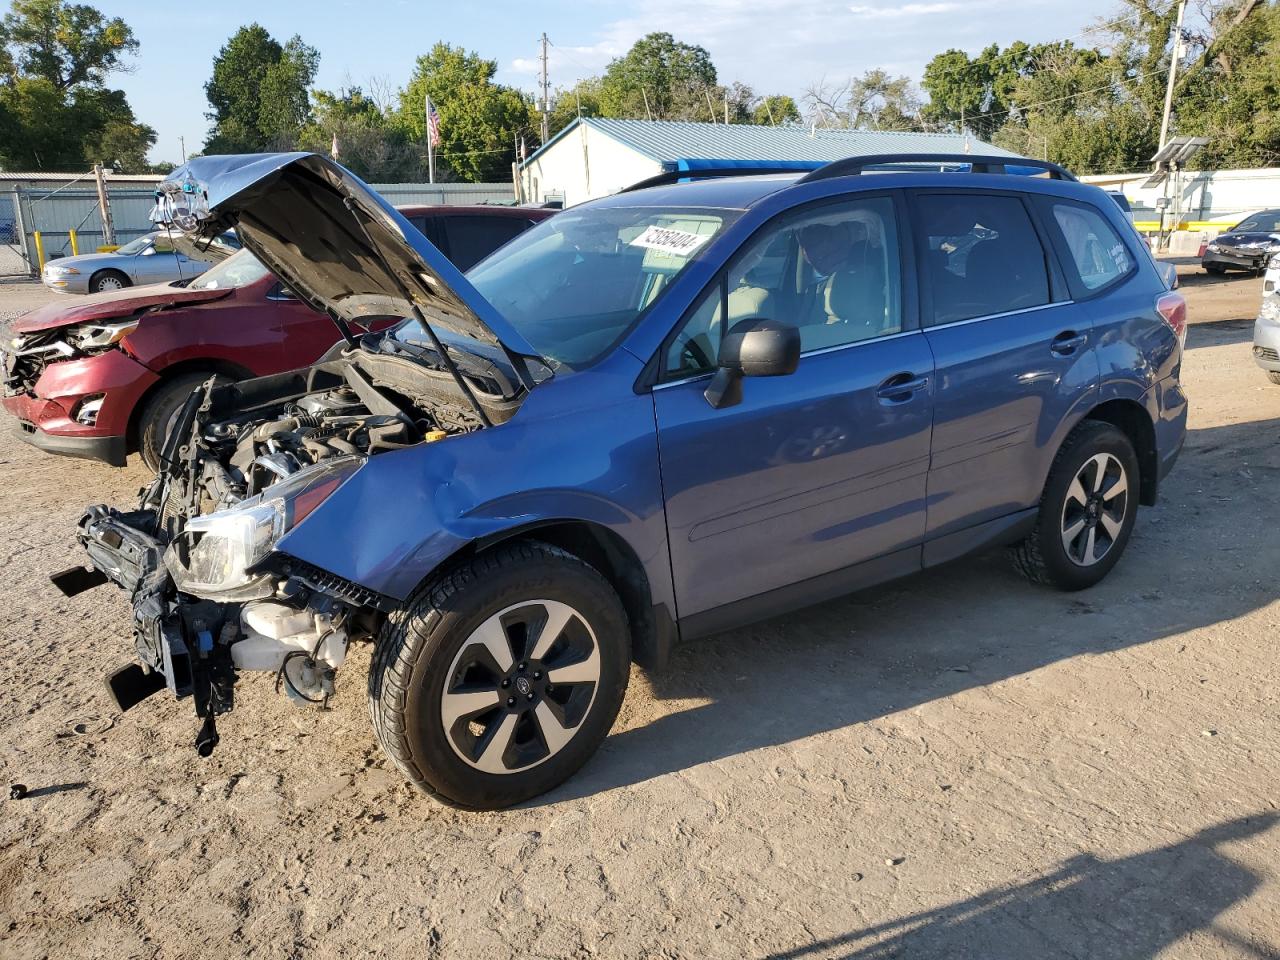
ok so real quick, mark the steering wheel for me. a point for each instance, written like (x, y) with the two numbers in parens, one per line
(692, 351)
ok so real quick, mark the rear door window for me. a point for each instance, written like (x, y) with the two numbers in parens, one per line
(1093, 252)
(471, 238)
(982, 255)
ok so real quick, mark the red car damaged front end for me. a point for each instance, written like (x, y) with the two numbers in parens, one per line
(70, 379)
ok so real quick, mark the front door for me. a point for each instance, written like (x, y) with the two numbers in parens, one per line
(812, 473)
(158, 263)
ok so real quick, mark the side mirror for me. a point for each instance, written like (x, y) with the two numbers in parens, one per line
(754, 347)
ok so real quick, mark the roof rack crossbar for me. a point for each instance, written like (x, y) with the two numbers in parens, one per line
(854, 166)
(673, 176)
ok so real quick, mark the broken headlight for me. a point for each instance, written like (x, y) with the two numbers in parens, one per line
(214, 554)
(95, 336)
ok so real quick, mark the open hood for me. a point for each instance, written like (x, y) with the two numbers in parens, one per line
(106, 306)
(334, 241)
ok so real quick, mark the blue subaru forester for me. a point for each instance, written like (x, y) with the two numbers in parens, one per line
(654, 416)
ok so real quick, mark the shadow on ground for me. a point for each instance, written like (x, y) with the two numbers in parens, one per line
(1131, 908)
(951, 629)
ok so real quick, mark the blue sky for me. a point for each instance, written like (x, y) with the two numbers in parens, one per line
(780, 46)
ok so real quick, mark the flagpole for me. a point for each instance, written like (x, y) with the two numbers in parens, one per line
(426, 125)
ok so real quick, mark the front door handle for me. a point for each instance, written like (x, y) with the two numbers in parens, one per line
(1067, 343)
(901, 387)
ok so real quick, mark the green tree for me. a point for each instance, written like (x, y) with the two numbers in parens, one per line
(659, 77)
(582, 99)
(55, 111)
(480, 120)
(979, 92)
(370, 143)
(67, 44)
(776, 109)
(874, 101)
(258, 92)
(1231, 91)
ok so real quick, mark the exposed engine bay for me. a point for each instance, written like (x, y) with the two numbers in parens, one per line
(243, 464)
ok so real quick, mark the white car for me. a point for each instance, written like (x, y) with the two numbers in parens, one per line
(1266, 329)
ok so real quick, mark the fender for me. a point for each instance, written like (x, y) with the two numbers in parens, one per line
(450, 494)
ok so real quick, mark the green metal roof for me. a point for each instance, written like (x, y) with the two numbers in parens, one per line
(669, 141)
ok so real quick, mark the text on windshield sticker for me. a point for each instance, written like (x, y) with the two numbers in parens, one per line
(676, 242)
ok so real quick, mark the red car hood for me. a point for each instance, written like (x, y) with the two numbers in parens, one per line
(105, 306)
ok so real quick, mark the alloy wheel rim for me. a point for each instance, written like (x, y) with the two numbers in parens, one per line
(1093, 514)
(520, 687)
(109, 283)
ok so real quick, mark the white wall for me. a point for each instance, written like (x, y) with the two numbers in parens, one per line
(582, 165)
(1206, 194)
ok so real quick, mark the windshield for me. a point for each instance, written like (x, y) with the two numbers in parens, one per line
(136, 246)
(238, 270)
(1266, 222)
(574, 284)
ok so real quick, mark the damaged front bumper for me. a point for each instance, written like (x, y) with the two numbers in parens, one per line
(195, 647)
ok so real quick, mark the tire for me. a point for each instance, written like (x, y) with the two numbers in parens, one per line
(442, 703)
(1097, 545)
(1273, 376)
(161, 408)
(105, 280)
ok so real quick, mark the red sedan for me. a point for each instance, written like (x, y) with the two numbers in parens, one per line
(99, 378)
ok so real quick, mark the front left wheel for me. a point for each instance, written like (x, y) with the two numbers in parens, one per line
(501, 677)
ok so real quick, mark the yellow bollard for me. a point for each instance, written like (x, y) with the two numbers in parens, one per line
(75, 246)
(39, 249)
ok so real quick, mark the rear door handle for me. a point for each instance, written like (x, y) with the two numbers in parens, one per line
(1068, 342)
(901, 387)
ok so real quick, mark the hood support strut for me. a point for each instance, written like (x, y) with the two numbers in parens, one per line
(418, 315)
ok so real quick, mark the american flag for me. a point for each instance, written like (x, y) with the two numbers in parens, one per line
(433, 124)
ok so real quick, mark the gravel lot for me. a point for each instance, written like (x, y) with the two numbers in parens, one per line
(960, 765)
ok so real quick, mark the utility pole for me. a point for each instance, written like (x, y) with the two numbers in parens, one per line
(431, 150)
(726, 106)
(104, 206)
(1173, 70)
(182, 142)
(546, 95)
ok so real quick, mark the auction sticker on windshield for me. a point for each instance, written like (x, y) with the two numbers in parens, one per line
(667, 240)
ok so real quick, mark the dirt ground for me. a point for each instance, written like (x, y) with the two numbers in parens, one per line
(956, 766)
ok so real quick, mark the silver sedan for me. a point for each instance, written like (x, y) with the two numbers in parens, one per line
(150, 258)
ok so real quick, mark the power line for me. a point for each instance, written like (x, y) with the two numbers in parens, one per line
(1022, 107)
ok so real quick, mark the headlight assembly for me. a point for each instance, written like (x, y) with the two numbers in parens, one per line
(214, 554)
(90, 336)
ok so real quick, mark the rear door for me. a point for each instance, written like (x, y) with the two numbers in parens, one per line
(1014, 354)
(812, 473)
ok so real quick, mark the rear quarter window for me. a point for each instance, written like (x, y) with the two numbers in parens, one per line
(1093, 252)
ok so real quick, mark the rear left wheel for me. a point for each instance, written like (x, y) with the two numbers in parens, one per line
(502, 677)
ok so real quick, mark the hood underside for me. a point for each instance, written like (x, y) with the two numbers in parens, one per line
(332, 239)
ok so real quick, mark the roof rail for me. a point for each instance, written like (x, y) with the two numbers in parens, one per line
(853, 166)
(673, 176)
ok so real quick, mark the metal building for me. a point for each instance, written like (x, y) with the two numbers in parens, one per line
(593, 157)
